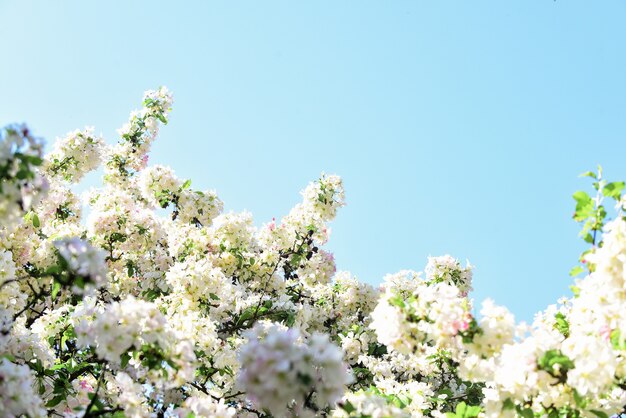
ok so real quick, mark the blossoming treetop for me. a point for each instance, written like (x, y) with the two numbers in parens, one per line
(191, 312)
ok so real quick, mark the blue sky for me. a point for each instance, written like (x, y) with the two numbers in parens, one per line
(459, 127)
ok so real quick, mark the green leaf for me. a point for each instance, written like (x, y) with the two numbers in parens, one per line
(348, 407)
(56, 287)
(599, 414)
(580, 401)
(57, 367)
(553, 357)
(526, 413)
(396, 301)
(575, 271)
(22, 174)
(472, 412)
(186, 185)
(36, 222)
(464, 411)
(397, 401)
(55, 401)
(305, 379)
(616, 340)
(584, 206)
(581, 196)
(561, 324)
(125, 358)
(245, 315)
(589, 174)
(508, 404)
(33, 159)
(613, 190)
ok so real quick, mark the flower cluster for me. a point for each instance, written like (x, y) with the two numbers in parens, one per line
(281, 373)
(448, 269)
(78, 153)
(136, 333)
(21, 185)
(160, 187)
(17, 389)
(431, 314)
(84, 262)
(131, 154)
(366, 404)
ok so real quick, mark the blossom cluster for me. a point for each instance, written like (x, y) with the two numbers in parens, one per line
(131, 154)
(83, 261)
(21, 184)
(75, 155)
(161, 304)
(18, 391)
(281, 373)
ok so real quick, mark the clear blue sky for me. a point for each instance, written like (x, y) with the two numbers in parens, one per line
(459, 127)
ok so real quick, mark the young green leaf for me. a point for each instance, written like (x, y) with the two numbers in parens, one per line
(613, 190)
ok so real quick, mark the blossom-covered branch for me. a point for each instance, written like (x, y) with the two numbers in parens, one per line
(159, 304)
